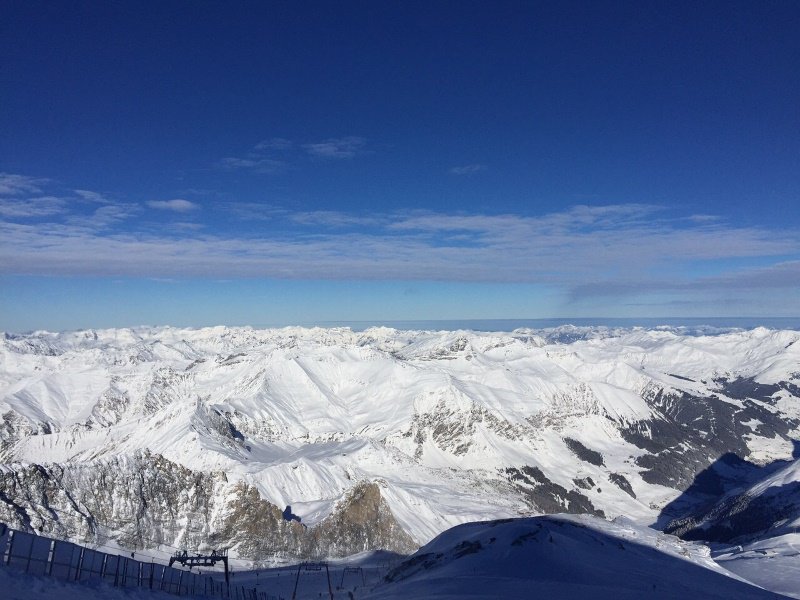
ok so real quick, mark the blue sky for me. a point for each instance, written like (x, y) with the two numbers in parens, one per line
(293, 162)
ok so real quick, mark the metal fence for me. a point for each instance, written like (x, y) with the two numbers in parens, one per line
(39, 555)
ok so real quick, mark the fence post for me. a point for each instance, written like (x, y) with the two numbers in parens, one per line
(9, 546)
(30, 556)
(80, 565)
(116, 573)
(72, 564)
(50, 556)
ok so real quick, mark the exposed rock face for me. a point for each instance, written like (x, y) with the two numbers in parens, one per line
(452, 430)
(148, 501)
(258, 527)
(361, 521)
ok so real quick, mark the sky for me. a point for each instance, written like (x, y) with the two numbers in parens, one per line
(275, 163)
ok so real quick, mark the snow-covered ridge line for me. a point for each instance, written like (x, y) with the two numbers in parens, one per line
(566, 333)
(564, 557)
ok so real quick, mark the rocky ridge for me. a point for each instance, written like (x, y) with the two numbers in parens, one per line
(146, 501)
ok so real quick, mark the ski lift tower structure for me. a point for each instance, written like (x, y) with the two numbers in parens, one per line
(312, 566)
(202, 560)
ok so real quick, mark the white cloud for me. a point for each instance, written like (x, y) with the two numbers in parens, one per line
(70, 206)
(344, 147)
(276, 143)
(332, 218)
(467, 169)
(623, 250)
(12, 184)
(105, 216)
(91, 196)
(186, 226)
(257, 164)
(254, 211)
(32, 207)
(627, 251)
(176, 205)
(277, 154)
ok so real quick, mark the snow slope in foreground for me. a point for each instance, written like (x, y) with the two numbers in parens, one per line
(562, 556)
(772, 562)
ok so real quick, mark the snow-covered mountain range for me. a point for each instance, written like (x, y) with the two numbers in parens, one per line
(162, 438)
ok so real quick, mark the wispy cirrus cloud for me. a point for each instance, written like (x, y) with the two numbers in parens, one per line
(90, 196)
(629, 254)
(175, 205)
(330, 218)
(105, 216)
(275, 143)
(586, 251)
(253, 211)
(84, 210)
(257, 164)
(12, 184)
(467, 169)
(277, 154)
(187, 226)
(44, 206)
(344, 147)
(267, 156)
